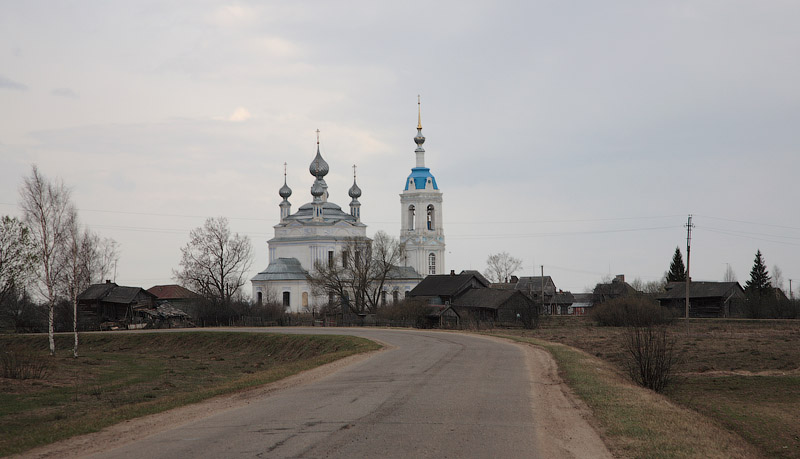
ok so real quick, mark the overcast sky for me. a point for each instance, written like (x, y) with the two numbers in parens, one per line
(573, 135)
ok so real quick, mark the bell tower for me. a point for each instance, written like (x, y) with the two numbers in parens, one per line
(421, 222)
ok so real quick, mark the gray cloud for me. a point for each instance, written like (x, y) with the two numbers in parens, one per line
(65, 92)
(5, 83)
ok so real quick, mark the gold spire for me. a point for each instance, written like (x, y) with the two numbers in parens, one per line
(354, 172)
(284, 171)
(419, 114)
(317, 136)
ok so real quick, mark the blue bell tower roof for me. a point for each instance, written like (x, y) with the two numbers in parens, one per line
(420, 175)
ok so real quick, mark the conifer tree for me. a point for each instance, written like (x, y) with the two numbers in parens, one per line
(677, 271)
(759, 282)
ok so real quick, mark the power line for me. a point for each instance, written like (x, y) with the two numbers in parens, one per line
(562, 233)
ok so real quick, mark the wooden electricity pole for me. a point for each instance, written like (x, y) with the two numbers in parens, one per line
(689, 227)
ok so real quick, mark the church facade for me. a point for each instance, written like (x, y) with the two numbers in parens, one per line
(319, 231)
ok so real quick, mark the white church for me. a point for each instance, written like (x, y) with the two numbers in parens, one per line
(320, 230)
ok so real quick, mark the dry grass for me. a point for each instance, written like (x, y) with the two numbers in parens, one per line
(121, 376)
(742, 376)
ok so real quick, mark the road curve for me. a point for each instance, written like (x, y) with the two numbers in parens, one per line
(431, 394)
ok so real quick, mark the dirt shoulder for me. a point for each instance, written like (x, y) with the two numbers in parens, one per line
(565, 426)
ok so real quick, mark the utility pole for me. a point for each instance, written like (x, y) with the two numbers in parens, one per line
(689, 227)
(542, 266)
(791, 294)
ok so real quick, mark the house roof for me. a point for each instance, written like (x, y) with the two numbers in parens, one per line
(110, 292)
(447, 284)
(485, 298)
(283, 269)
(172, 292)
(677, 290)
(615, 287)
(533, 283)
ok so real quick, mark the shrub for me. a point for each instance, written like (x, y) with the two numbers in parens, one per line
(634, 311)
(18, 363)
(650, 355)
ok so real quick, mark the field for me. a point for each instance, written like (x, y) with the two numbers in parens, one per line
(742, 375)
(120, 376)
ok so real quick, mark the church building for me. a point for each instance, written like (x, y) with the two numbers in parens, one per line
(319, 231)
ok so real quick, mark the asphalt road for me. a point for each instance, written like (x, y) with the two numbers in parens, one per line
(431, 394)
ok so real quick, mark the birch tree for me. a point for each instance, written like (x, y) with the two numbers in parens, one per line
(49, 214)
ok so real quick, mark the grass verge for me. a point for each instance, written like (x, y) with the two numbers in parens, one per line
(636, 422)
(121, 376)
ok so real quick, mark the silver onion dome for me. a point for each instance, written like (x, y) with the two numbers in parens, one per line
(355, 191)
(285, 191)
(318, 167)
(317, 189)
(419, 139)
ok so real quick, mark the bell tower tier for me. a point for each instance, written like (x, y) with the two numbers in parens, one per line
(422, 229)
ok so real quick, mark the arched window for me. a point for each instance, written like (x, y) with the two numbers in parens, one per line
(431, 263)
(259, 298)
(305, 300)
(431, 215)
(395, 296)
(411, 218)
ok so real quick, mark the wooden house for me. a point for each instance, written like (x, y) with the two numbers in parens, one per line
(443, 289)
(706, 299)
(110, 305)
(496, 306)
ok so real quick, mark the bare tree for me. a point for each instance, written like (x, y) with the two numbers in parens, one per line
(78, 260)
(17, 256)
(48, 212)
(649, 287)
(106, 261)
(729, 275)
(214, 262)
(777, 277)
(501, 266)
(358, 276)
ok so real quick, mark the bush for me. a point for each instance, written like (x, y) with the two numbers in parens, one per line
(18, 363)
(409, 312)
(634, 311)
(650, 355)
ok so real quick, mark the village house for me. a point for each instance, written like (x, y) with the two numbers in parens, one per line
(706, 299)
(109, 305)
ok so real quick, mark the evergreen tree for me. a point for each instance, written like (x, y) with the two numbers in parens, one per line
(759, 282)
(677, 271)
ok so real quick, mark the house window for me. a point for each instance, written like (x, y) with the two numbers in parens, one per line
(258, 298)
(395, 296)
(431, 214)
(330, 258)
(345, 254)
(286, 297)
(432, 263)
(305, 300)
(411, 218)
(383, 298)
